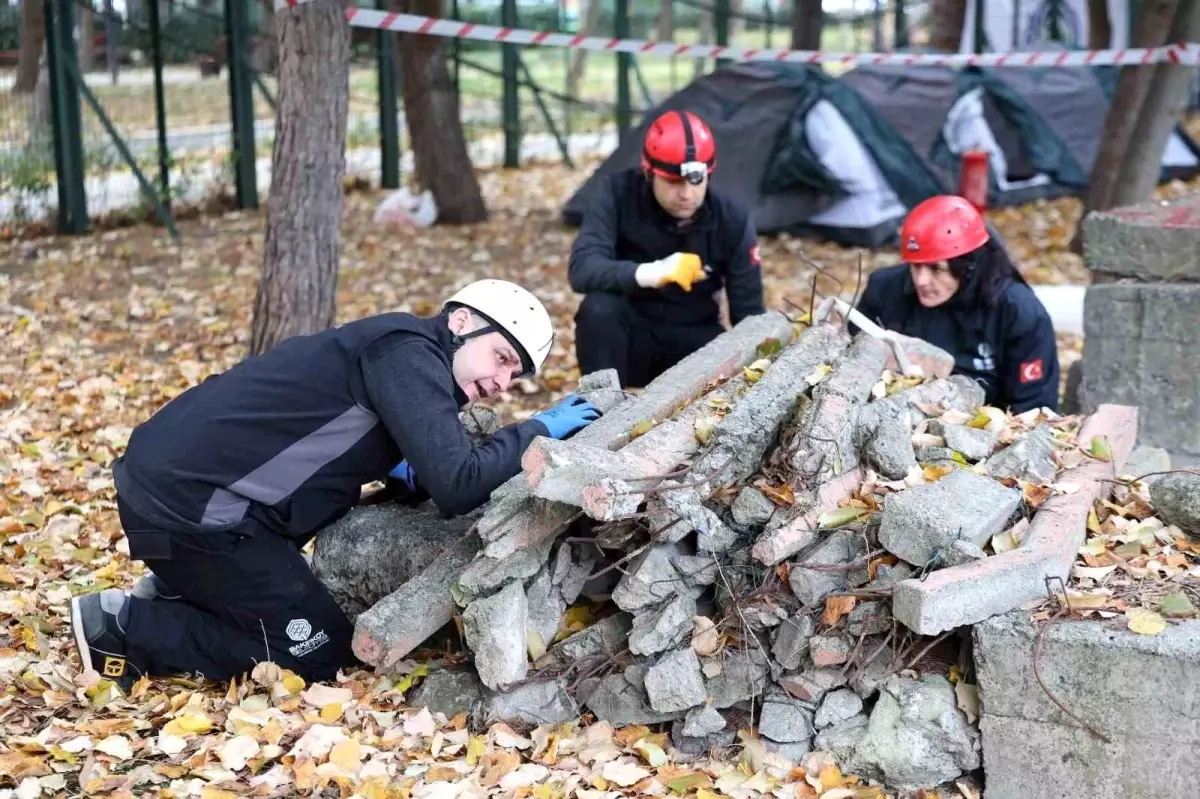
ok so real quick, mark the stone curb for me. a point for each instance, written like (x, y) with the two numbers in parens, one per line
(972, 592)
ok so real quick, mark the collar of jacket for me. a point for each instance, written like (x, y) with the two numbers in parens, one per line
(648, 204)
(445, 340)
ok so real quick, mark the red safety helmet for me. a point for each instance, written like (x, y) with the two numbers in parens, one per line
(941, 228)
(679, 145)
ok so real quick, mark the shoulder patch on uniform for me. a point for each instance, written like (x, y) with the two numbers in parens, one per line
(1032, 371)
(755, 255)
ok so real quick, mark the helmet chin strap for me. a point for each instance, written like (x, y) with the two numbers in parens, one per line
(460, 339)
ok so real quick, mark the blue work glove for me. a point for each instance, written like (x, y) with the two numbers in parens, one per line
(404, 472)
(571, 414)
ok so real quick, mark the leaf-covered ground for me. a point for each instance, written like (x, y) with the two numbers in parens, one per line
(100, 331)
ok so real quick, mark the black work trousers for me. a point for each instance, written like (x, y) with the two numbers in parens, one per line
(248, 595)
(610, 333)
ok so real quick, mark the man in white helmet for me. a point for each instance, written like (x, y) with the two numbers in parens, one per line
(219, 490)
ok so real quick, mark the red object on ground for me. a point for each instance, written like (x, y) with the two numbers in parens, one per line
(974, 184)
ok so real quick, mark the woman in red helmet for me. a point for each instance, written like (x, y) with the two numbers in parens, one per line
(655, 247)
(959, 290)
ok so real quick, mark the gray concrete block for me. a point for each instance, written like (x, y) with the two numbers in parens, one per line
(810, 586)
(925, 519)
(373, 550)
(494, 628)
(1024, 759)
(620, 703)
(532, 703)
(1027, 458)
(1153, 241)
(657, 630)
(401, 621)
(1176, 500)
(885, 436)
(675, 682)
(1122, 683)
(752, 508)
(785, 719)
(1140, 348)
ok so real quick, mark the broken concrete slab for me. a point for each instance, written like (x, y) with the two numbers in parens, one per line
(811, 586)
(703, 721)
(448, 691)
(884, 436)
(494, 628)
(752, 508)
(916, 737)
(836, 707)
(697, 746)
(675, 682)
(779, 544)
(546, 607)
(1139, 350)
(620, 703)
(1027, 458)
(791, 641)
(572, 568)
(973, 444)
(696, 570)
(870, 618)
(785, 719)
(743, 676)
(954, 393)
(528, 521)
(1140, 691)
(372, 551)
(925, 519)
(828, 650)
(651, 579)
(1155, 241)
(489, 572)
(935, 362)
(811, 685)
(606, 637)
(713, 534)
(401, 621)
(1145, 460)
(532, 703)
(658, 630)
(752, 426)
(1176, 500)
(824, 445)
(960, 595)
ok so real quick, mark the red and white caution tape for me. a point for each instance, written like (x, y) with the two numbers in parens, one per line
(411, 23)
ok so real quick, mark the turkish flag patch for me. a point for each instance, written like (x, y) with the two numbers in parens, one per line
(755, 256)
(1032, 370)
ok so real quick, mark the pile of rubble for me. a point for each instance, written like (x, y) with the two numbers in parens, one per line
(728, 550)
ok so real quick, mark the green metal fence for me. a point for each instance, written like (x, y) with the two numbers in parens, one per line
(174, 110)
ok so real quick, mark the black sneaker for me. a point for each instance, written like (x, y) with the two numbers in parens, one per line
(152, 587)
(98, 621)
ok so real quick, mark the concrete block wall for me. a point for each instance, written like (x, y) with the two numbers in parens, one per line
(1140, 328)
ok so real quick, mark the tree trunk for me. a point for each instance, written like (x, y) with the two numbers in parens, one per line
(33, 36)
(434, 123)
(1153, 24)
(1099, 25)
(41, 124)
(1164, 106)
(591, 19)
(297, 289)
(807, 22)
(946, 20)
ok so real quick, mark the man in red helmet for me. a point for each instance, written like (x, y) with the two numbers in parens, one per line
(655, 247)
(959, 290)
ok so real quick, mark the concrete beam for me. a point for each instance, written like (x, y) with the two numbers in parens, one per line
(972, 592)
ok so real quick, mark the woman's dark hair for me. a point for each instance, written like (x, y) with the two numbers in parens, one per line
(985, 272)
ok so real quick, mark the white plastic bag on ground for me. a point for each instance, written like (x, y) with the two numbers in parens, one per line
(402, 209)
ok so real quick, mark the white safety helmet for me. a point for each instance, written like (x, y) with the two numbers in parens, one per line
(516, 313)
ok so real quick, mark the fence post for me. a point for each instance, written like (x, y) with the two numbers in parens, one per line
(389, 126)
(512, 88)
(624, 60)
(160, 103)
(721, 26)
(241, 102)
(66, 116)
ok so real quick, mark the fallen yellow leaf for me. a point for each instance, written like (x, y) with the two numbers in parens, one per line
(835, 608)
(1145, 622)
(346, 754)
